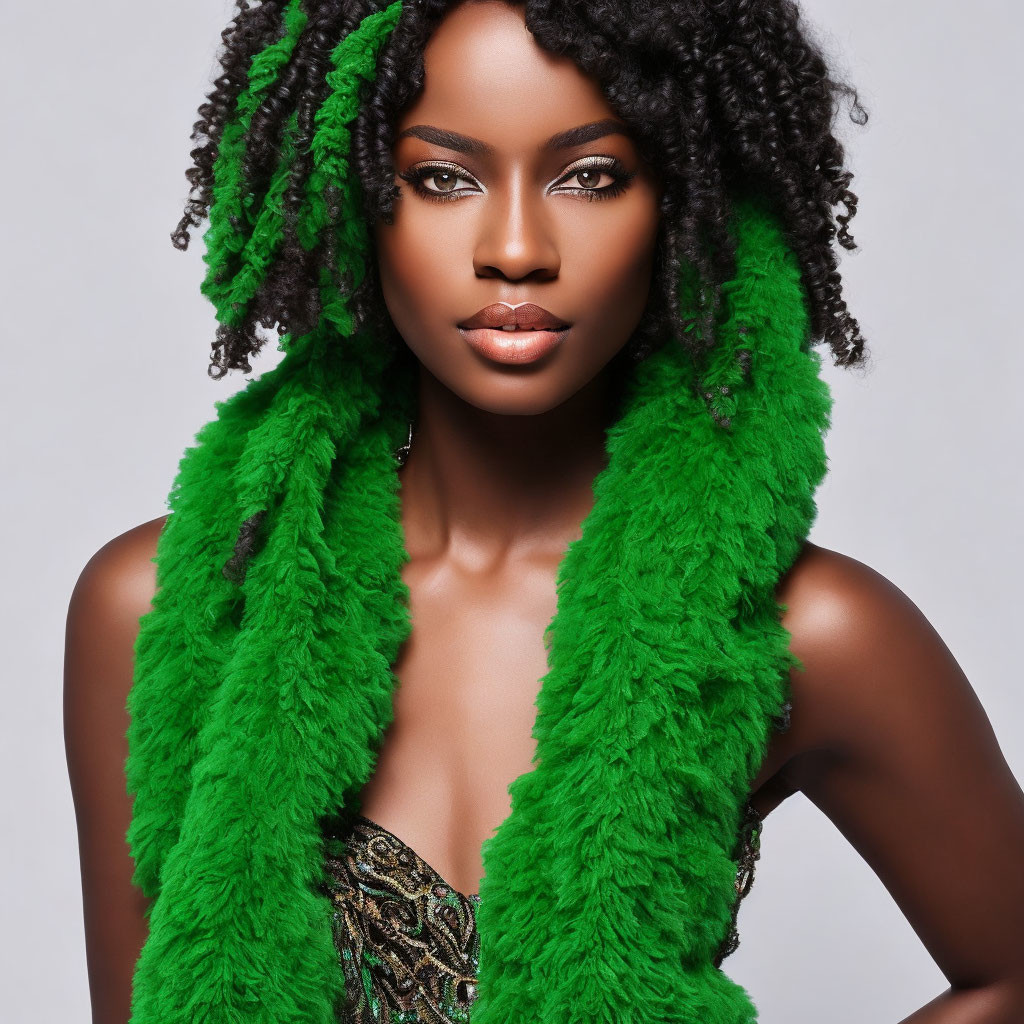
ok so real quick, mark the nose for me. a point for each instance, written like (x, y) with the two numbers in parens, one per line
(516, 240)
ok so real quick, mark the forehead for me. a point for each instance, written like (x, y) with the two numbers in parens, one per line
(486, 76)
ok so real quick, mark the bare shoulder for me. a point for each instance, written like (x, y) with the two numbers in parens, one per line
(868, 655)
(114, 589)
(828, 596)
(122, 573)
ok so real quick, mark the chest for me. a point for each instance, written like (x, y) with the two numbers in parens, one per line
(464, 707)
(467, 679)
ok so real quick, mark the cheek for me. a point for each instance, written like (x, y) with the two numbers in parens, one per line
(412, 261)
(613, 261)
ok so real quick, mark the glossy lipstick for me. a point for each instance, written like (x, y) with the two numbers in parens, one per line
(514, 334)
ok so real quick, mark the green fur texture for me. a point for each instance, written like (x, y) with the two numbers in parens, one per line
(258, 707)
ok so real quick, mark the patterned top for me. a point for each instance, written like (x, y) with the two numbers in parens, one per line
(407, 940)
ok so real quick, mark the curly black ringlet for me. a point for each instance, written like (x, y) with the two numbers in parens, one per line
(722, 95)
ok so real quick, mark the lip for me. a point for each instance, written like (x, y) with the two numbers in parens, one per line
(524, 315)
(513, 347)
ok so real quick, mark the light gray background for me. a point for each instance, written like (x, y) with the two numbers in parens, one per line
(106, 343)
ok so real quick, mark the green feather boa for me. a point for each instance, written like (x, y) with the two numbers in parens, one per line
(260, 701)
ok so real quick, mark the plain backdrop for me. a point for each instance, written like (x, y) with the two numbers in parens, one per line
(106, 346)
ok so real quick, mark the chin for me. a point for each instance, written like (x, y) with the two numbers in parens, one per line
(515, 393)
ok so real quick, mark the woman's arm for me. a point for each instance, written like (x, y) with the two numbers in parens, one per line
(114, 589)
(897, 750)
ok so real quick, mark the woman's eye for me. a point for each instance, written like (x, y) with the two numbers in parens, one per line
(590, 175)
(442, 182)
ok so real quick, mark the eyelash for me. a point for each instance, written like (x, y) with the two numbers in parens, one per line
(610, 166)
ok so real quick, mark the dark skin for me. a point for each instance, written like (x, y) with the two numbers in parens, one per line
(888, 738)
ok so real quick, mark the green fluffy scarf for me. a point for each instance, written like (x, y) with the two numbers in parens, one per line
(262, 693)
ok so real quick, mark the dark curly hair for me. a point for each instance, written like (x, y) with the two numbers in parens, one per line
(724, 97)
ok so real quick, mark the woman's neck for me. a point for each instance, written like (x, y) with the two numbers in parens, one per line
(501, 485)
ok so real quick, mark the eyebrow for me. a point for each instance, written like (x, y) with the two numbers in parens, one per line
(561, 140)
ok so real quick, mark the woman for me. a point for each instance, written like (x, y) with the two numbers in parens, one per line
(551, 188)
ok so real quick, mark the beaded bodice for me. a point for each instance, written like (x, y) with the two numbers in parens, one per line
(406, 939)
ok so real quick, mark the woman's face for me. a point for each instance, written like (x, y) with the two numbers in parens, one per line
(495, 208)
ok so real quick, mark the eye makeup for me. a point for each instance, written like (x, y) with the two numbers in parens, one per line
(596, 165)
